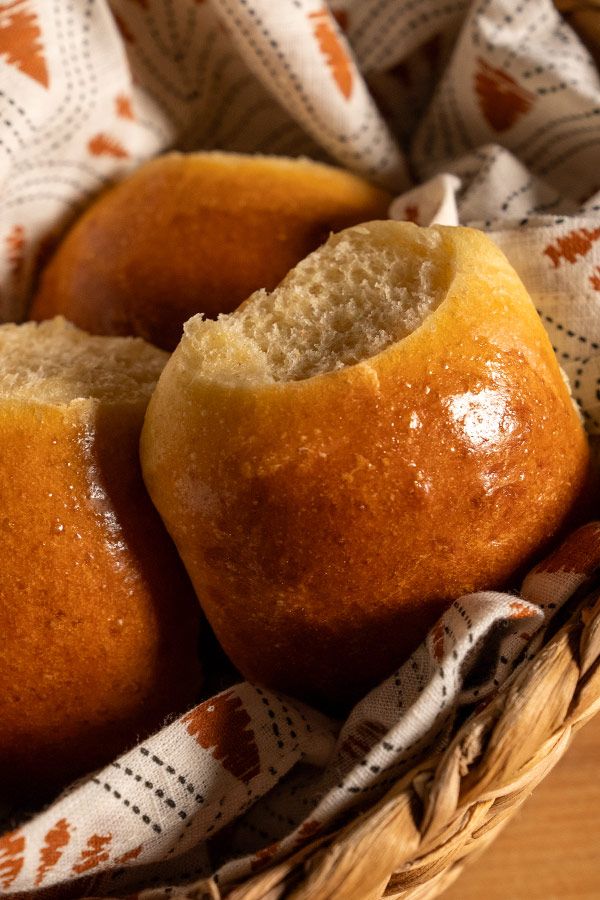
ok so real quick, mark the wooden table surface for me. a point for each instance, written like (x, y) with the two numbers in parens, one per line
(551, 849)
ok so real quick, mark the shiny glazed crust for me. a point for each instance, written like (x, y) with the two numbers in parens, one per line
(195, 233)
(98, 620)
(326, 522)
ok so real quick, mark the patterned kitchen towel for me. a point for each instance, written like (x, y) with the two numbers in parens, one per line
(248, 776)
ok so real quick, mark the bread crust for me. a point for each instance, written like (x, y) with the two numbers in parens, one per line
(99, 623)
(189, 233)
(326, 523)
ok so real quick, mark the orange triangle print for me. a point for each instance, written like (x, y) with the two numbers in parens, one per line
(96, 852)
(105, 145)
(571, 246)
(20, 40)
(333, 50)
(55, 841)
(12, 846)
(221, 725)
(580, 553)
(501, 99)
(123, 107)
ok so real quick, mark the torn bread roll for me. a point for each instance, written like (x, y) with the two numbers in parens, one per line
(98, 619)
(197, 232)
(339, 459)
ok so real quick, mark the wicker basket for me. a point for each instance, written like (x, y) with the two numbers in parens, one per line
(415, 841)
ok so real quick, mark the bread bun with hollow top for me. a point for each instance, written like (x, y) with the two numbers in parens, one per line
(99, 623)
(198, 232)
(337, 460)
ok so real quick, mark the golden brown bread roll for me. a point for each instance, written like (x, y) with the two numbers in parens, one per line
(98, 620)
(195, 233)
(337, 460)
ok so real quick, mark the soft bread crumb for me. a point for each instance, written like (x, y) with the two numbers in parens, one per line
(54, 362)
(358, 294)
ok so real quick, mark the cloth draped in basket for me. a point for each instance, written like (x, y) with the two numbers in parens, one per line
(493, 110)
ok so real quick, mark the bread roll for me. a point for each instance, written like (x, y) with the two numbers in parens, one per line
(195, 233)
(98, 620)
(337, 460)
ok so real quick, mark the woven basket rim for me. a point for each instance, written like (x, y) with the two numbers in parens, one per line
(414, 841)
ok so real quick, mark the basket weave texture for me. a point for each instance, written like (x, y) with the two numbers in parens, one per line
(415, 841)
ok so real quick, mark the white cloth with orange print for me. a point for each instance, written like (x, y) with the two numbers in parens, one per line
(494, 109)
(247, 776)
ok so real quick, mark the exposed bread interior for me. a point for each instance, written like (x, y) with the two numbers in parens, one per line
(98, 621)
(54, 362)
(338, 460)
(345, 303)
